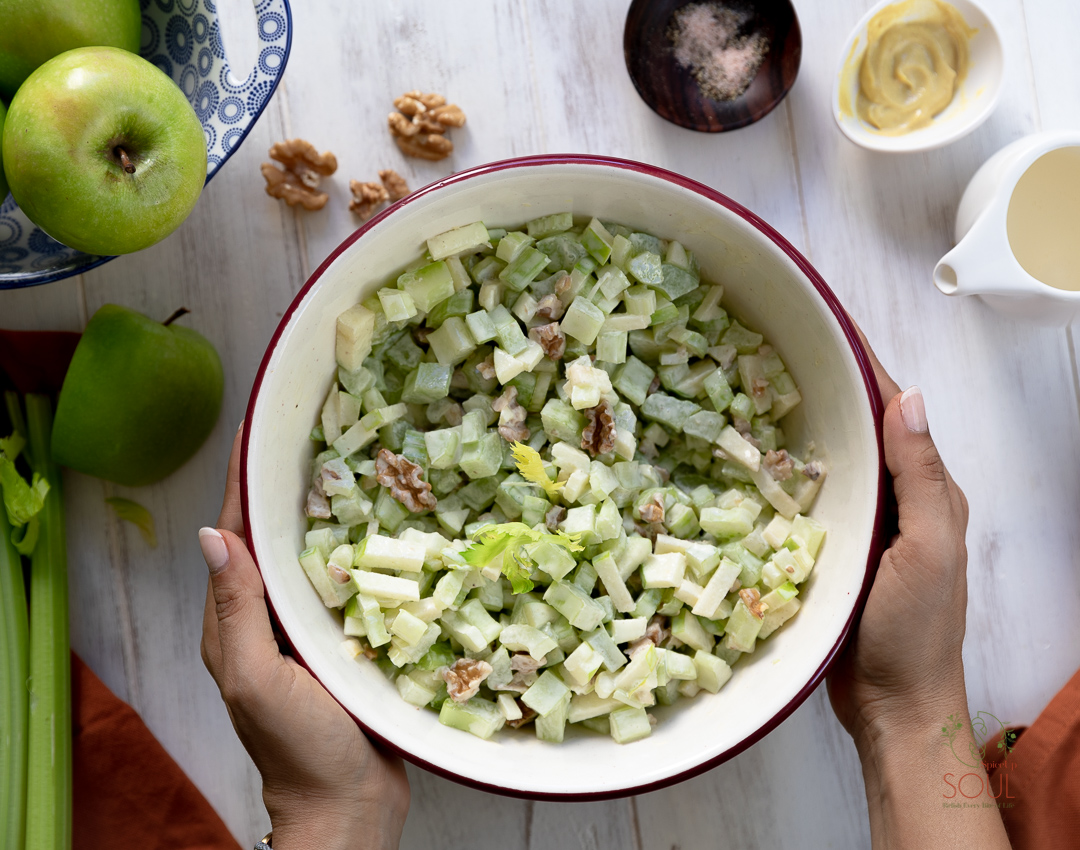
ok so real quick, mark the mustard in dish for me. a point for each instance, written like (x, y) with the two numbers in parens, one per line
(915, 60)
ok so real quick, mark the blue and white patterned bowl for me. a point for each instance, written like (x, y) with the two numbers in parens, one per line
(183, 38)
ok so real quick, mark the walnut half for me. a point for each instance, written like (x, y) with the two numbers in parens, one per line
(402, 477)
(419, 123)
(298, 181)
(463, 678)
(366, 198)
(599, 435)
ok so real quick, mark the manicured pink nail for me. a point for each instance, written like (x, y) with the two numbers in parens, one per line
(214, 550)
(913, 410)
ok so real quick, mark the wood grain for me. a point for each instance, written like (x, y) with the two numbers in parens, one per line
(549, 76)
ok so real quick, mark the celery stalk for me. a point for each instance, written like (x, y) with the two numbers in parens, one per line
(48, 805)
(14, 644)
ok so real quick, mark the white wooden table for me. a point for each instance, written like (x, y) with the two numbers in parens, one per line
(549, 76)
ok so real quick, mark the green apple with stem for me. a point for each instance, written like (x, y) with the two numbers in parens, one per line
(103, 152)
(34, 31)
(139, 398)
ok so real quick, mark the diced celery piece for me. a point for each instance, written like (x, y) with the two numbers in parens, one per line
(712, 672)
(621, 251)
(685, 627)
(564, 252)
(575, 604)
(355, 331)
(582, 320)
(666, 570)
(477, 716)
(562, 422)
(377, 552)
(674, 281)
(742, 628)
(670, 412)
(582, 663)
(412, 691)
(461, 240)
(545, 694)
(483, 458)
(597, 241)
(645, 267)
(427, 383)
(458, 304)
(546, 225)
(601, 641)
(451, 342)
(486, 270)
(611, 347)
(428, 285)
(520, 637)
(409, 628)
(551, 727)
(398, 305)
(810, 532)
(391, 588)
(443, 447)
(745, 341)
(706, 425)
(480, 326)
(524, 269)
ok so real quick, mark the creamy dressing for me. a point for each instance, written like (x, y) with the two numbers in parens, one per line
(1043, 222)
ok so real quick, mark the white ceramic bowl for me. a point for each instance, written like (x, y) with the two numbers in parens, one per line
(972, 104)
(768, 284)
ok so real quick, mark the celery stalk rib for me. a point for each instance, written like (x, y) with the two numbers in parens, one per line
(48, 807)
(14, 646)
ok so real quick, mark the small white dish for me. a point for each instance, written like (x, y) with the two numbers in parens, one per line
(971, 106)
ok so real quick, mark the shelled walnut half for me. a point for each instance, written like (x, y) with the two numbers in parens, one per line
(303, 169)
(420, 122)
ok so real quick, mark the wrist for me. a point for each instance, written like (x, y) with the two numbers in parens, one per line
(301, 822)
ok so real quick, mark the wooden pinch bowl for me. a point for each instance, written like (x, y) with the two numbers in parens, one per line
(671, 90)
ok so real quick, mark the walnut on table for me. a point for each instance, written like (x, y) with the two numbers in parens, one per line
(402, 478)
(303, 169)
(367, 197)
(419, 123)
(599, 435)
(395, 184)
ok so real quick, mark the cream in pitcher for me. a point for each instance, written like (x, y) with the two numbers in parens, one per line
(1018, 231)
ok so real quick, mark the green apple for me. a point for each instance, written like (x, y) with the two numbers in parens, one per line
(34, 31)
(139, 398)
(3, 182)
(103, 152)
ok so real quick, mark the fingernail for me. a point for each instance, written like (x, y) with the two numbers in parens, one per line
(214, 550)
(241, 426)
(913, 410)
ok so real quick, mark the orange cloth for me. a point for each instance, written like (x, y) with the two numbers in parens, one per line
(1043, 771)
(129, 793)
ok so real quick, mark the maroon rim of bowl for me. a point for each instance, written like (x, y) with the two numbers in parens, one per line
(877, 545)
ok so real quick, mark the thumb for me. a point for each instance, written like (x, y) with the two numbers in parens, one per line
(920, 480)
(244, 634)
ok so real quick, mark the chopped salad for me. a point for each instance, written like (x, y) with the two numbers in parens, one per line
(551, 485)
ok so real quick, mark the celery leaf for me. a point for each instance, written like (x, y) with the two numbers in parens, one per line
(508, 540)
(22, 500)
(531, 468)
(137, 515)
(10, 447)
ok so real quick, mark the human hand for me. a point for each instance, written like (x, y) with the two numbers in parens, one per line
(324, 784)
(904, 665)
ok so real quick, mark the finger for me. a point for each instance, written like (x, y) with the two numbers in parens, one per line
(211, 650)
(886, 385)
(244, 636)
(231, 517)
(920, 480)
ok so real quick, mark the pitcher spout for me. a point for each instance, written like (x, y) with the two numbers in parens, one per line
(977, 266)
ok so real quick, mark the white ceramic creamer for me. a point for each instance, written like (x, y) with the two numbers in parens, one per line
(1018, 231)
